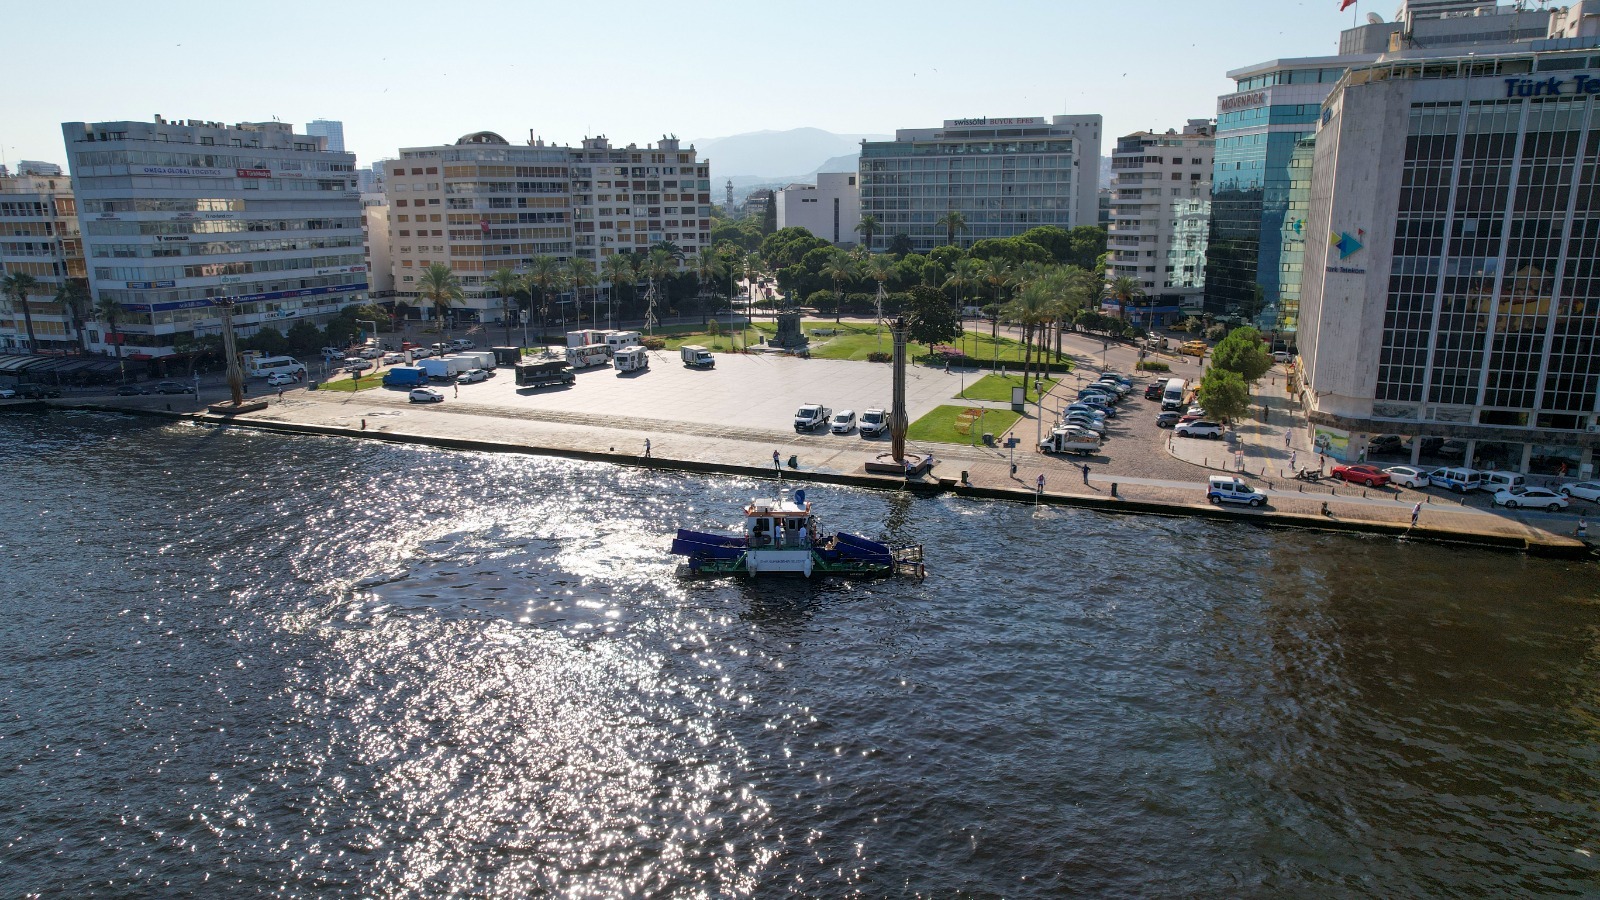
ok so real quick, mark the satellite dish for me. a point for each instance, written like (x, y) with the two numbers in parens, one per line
(1374, 19)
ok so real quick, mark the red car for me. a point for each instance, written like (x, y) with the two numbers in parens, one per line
(1371, 476)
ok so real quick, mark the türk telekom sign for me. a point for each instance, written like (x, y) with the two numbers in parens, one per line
(254, 173)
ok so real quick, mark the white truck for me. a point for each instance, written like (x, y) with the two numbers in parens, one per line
(459, 363)
(811, 417)
(588, 355)
(696, 357)
(1069, 440)
(631, 359)
(585, 337)
(436, 367)
(485, 358)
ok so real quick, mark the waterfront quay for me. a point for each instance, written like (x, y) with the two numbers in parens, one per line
(736, 417)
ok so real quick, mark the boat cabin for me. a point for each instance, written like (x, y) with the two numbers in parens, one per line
(780, 524)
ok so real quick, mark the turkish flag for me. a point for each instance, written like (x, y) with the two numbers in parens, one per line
(484, 223)
(1346, 4)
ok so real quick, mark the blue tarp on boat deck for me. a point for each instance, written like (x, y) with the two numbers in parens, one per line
(700, 545)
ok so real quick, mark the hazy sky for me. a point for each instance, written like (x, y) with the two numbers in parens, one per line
(403, 73)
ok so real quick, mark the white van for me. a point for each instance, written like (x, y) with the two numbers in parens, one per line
(1172, 397)
(1501, 481)
(1227, 489)
(1456, 479)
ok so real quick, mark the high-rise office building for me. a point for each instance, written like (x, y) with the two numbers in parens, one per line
(332, 129)
(1452, 259)
(177, 216)
(483, 204)
(829, 209)
(1004, 175)
(1160, 207)
(39, 238)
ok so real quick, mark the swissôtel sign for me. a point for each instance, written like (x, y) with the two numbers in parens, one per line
(986, 120)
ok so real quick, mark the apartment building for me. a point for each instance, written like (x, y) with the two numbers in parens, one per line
(177, 216)
(332, 129)
(483, 204)
(829, 209)
(1160, 209)
(39, 237)
(1004, 175)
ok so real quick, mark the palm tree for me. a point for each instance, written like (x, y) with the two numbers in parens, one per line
(439, 286)
(544, 274)
(952, 222)
(671, 249)
(659, 266)
(617, 269)
(505, 284)
(840, 268)
(73, 295)
(17, 286)
(868, 226)
(111, 312)
(579, 274)
(708, 267)
(998, 274)
(964, 276)
(1124, 289)
(1031, 307)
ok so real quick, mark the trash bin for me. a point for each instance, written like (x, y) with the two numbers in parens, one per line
(311, 385)
(988, 439)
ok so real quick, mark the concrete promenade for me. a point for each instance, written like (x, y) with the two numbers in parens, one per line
(733, 418)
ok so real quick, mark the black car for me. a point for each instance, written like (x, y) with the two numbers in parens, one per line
(1168, 419)
(1385, 443)
(1154, 391)
(131, 390)
(173, 387)
(36, 391)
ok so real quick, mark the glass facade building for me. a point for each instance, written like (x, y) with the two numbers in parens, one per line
(1273, 106)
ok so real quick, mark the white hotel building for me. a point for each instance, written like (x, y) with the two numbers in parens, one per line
(1451, 283)
(1004, 175)
(1160, 211)
(176, 216)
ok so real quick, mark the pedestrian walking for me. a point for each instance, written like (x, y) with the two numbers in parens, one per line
(1286, 439)
(947, 365)
(1292, 457)
(458, 391)
(280, 394)
(1583, 527)
(1363, 456)
(646, 448)
(1416, 511)
(1085, 473)
(1041, 482)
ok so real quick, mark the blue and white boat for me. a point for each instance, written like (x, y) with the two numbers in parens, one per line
(782, 536)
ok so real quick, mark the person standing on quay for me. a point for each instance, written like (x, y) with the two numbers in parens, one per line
(646, 448)
(1415, 512)
(1085, 473)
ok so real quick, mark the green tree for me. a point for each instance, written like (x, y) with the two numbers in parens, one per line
(1085, 245)
(439, 286)
(965, 277)
(900, 244)
(868, 226)
(769, 216)
(1033, 308)
(17, 286)
(1054, 240)
(788, 247)
(303, 337)
(545, 276)
(1012, 250)
(578, 273)
(1243, 352)
(952, 222)
(111, 312)
(618, 271)
(73, 296)
(708, 267)
(1125, 290)
(1223, 394)
(930, 319)
(839, 268)
(505, 284)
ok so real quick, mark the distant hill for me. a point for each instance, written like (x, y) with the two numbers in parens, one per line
(847, 163)
(777, 156)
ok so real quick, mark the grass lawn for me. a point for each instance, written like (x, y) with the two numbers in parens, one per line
(350, 386)
(939, 426)
(855, 340)
(722, 343)
(998, 387)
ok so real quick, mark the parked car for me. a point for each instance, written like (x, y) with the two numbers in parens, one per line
(873, 422)
(1385, 443)
(1583, 490)
(1225, 489)
(356, 364)
(472, 376)
(1281, 356)
(421, 353)
(1153, 390)
(1093, 409)
(277, 379)
(1407, 476)
(426, 395)
(1371, 476)
(174, 387)
(1456, 478)
(1511, 498)
(390, 359)
(7, 394)
(1167, 419)
(1451, 450)
(36, 391)
(1100, 405)
(461, 344)
(844, 422)
(132, 390)
(1199, 429)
